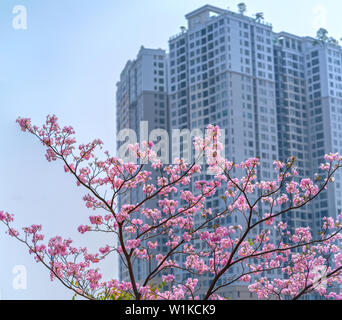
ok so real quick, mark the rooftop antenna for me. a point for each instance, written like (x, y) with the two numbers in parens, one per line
(259, 16)
(242, 8)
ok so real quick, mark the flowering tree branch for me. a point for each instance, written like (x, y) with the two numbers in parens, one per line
(173, 217)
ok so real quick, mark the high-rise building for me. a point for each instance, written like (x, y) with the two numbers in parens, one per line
(141, 100)
(221, 71)
(275, 95)
(292, 113)
(309, 92)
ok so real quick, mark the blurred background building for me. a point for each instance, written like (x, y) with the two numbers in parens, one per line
(276, 95)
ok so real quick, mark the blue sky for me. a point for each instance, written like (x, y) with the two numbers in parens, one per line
(67, 63)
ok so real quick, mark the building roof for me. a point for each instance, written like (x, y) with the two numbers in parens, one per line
(205, 8)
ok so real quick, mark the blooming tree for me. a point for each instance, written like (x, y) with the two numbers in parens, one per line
(182, 217)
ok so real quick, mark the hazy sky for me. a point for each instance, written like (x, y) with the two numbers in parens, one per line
(66, 63)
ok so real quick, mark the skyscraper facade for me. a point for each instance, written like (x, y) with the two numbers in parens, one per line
(221, 72)
(308, 89)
